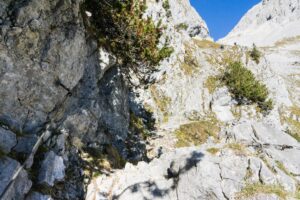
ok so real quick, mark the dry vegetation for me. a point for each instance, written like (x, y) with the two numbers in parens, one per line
(162, 102)
(211, 83)
(291, 117)
(206, 44)
(251, 190)
(196, 133)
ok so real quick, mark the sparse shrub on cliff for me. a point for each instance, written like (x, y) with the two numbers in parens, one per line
(182, 26)
(166, 6)
(245, 87)
(255, 54)
(121, 28)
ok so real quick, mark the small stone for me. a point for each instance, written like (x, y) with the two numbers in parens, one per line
(34, 25)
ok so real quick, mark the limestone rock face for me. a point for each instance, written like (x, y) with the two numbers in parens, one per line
(195, 173)
(267, 23)
(65, 109)
(52, 169)
(40, 65)
(54, 78)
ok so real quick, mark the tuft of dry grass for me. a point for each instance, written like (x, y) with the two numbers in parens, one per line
(287, 41)
(239, 149)
(293, 124)
(206, 44)
(211, 83)
(250, 190)
(196, 133)
(190, 64)
(162, 102)
(213, 150)
(281, 166)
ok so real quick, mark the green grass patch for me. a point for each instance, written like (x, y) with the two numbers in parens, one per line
(245, 88)
(196, 133)
(250, 190)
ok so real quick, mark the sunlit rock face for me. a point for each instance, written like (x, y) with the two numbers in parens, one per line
(267, 23)
(64, 93)
(248, 151)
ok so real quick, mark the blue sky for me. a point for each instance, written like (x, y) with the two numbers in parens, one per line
(222, 15)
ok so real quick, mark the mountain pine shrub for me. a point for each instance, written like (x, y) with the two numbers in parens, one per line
(245, 88)
(255, 54)
(120, 27)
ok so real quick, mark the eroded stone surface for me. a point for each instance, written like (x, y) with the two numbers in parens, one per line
(52, 169)
(19, 187)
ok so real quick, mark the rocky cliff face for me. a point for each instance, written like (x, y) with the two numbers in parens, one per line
(67, 116)
(267, 23)
(55, 83)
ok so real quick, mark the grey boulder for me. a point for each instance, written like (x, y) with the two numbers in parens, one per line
(52, 169)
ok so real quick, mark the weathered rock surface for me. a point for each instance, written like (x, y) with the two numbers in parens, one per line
(194, 173)
(19, 187)
(53, 77)
(52, 169)
(55, 80)
(38, 196)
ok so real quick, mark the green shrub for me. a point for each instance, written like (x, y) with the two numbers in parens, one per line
(166, 6)
(245, 87)
(141, 126)
(255, 54)
(182, 26)
(120, 27)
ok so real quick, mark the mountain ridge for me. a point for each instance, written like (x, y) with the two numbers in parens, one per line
(266, 23)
